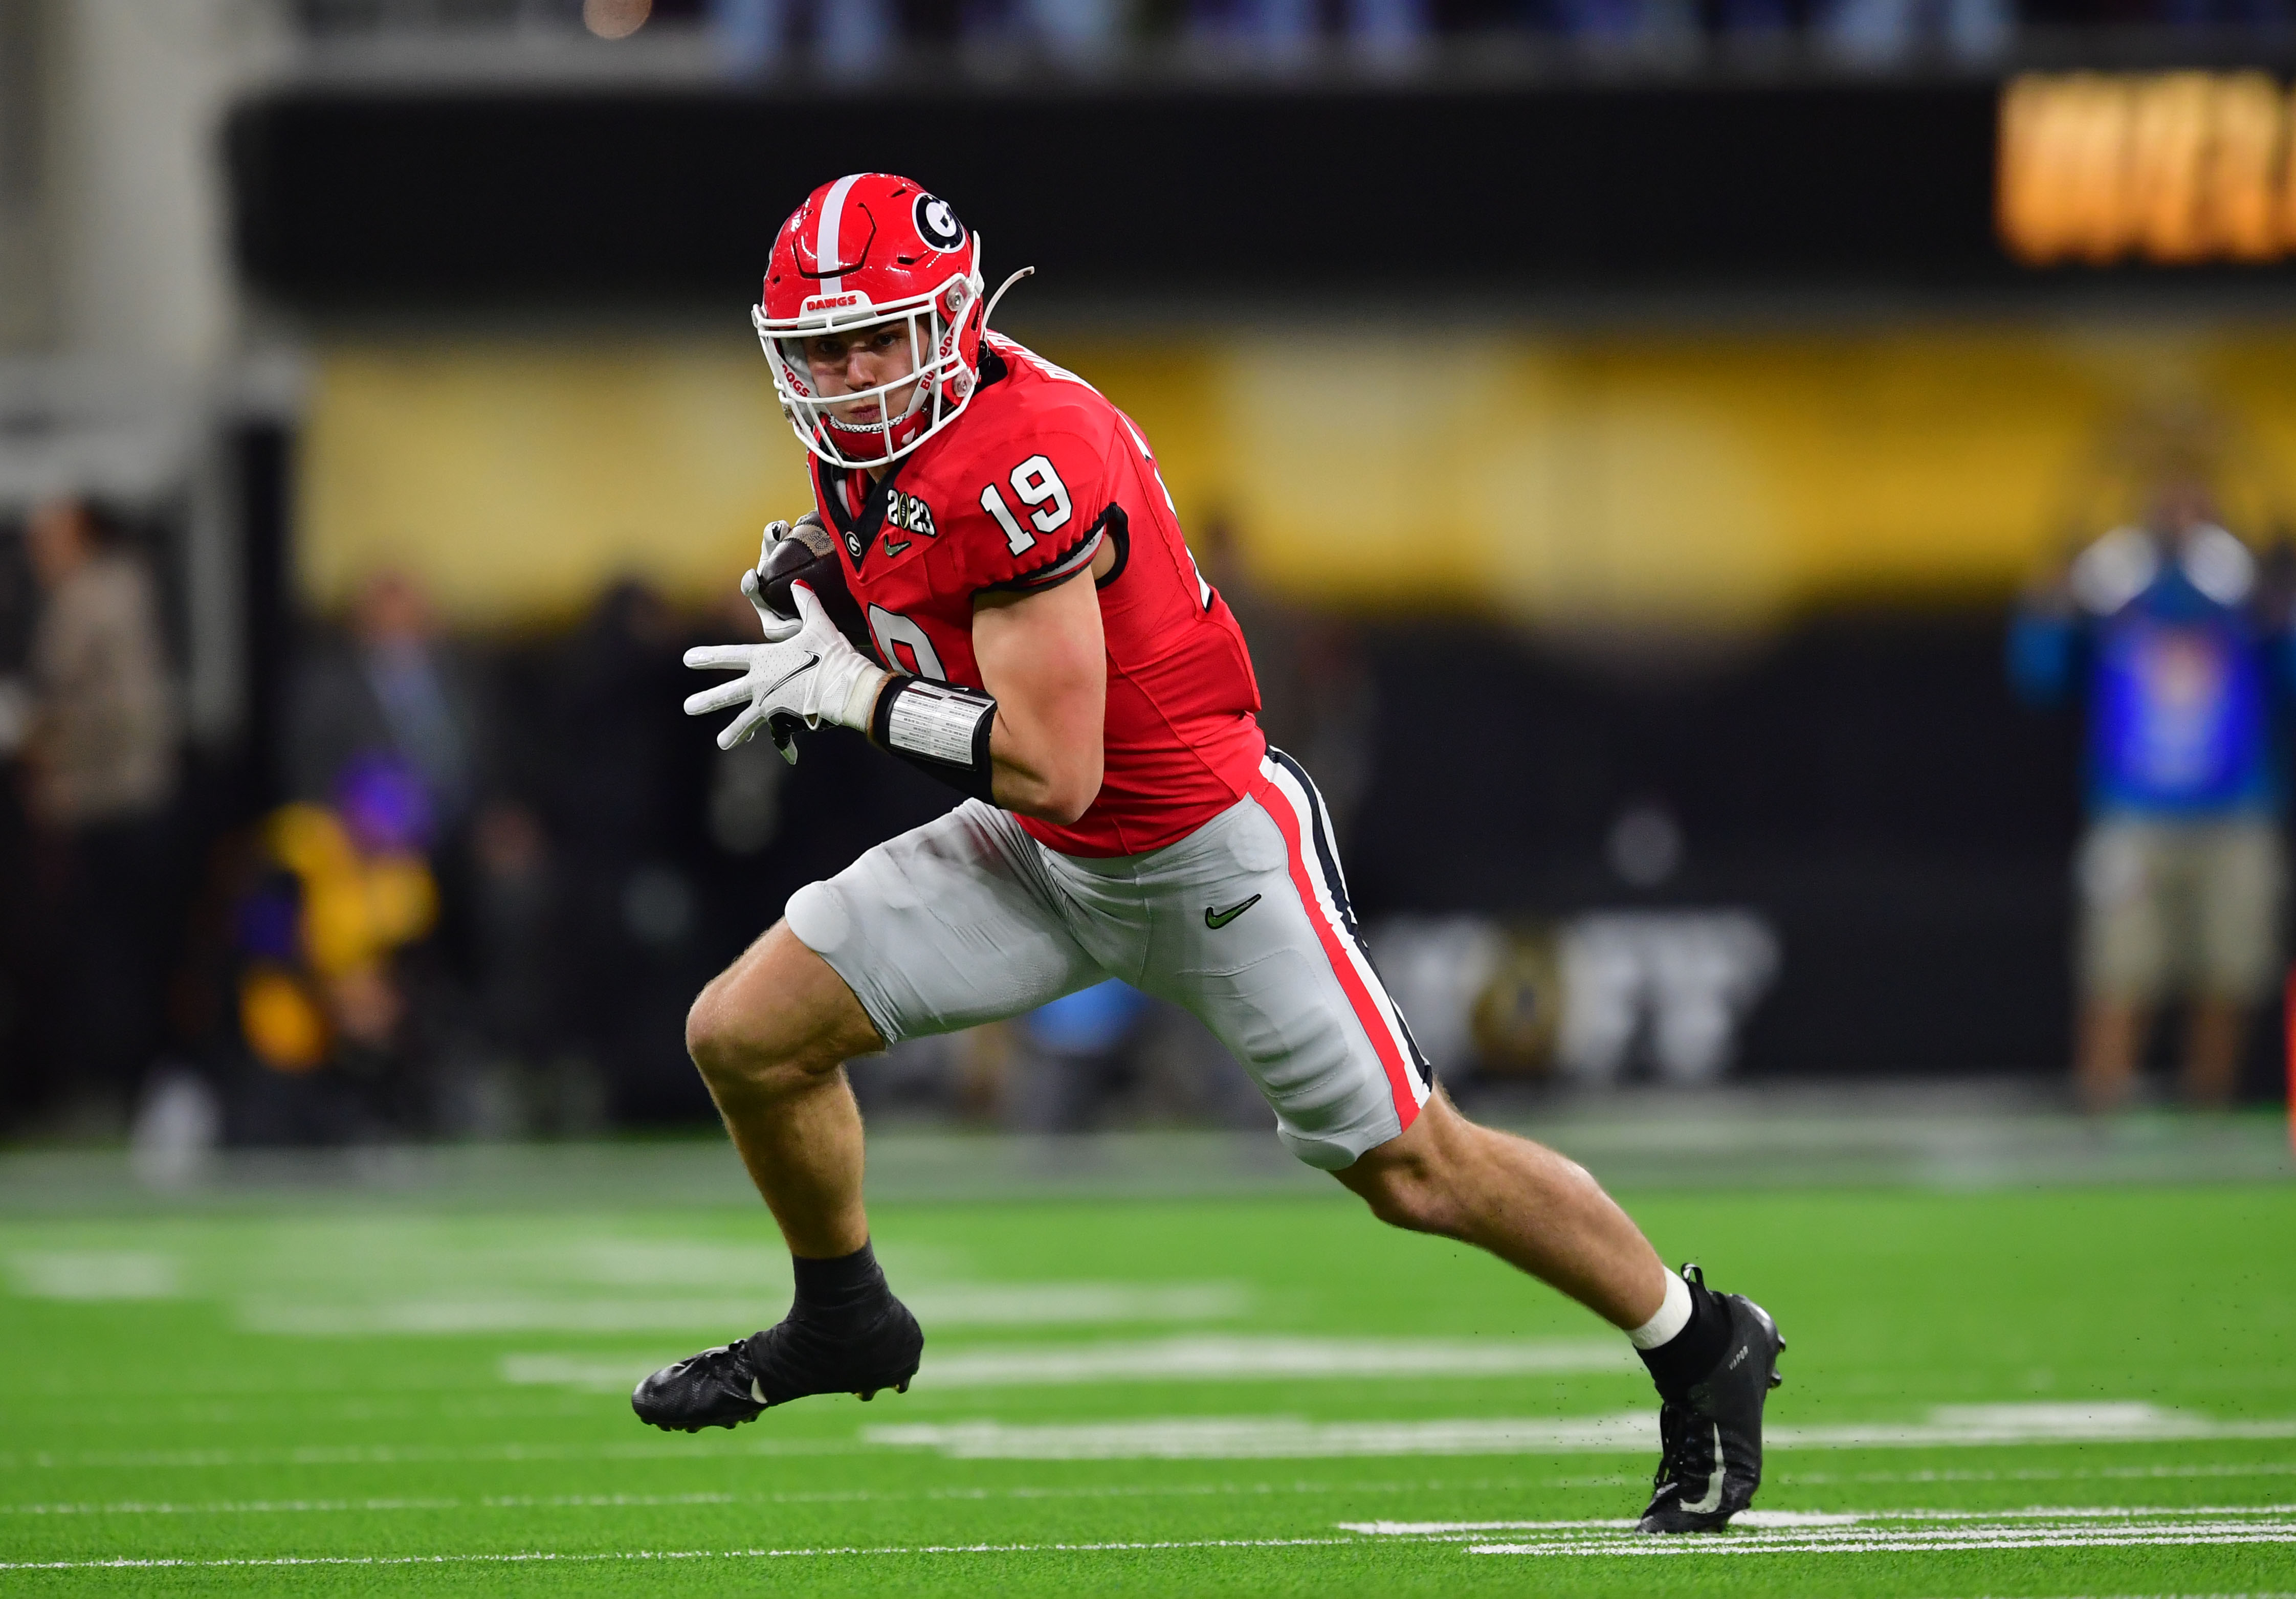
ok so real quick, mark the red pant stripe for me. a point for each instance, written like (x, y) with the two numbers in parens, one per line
(1278, 805)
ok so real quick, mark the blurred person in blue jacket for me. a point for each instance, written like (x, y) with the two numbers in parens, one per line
(2168, 632)
(1081, 1053)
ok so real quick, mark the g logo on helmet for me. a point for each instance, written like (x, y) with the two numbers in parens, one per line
(937, 224)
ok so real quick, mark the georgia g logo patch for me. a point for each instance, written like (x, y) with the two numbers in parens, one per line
(937, 224)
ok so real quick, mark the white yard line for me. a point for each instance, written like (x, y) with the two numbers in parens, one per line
(1243, 1438)
(1268, 1437)
(826, 1497)
(1799, 1520)
(1184, 1490)
(1281, 1438)
(354, 1455)
(95, 1274)
(943, 1305)
(2255, 1468)
(227, 1507)
(1888, 1532)
(539, 1555)
(2089, 1538)
(2078, 1528)
(272, 1507)
(1186, 1359)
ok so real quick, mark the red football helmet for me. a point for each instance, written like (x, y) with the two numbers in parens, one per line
(867, 250)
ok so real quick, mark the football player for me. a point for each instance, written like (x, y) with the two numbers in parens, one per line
(1022, 619)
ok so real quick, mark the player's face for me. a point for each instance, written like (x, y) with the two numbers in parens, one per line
(854, 362)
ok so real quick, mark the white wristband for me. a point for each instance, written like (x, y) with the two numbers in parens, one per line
(861, 699)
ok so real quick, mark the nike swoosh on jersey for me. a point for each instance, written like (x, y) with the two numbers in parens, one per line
(1712, 1501)
(894, 549)
(1216, 919)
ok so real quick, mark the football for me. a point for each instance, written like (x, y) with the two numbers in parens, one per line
(810, 553)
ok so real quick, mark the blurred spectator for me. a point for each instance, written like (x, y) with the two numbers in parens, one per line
(1880, 34)
(389, 684)
(1076, 33)
(851, 38)
(2166, 630)
(1080, 1052)
(1107, 1055)
(1079, 32)
(338, 893)
(1625, 22)
(859, 39)
(535, 1076)
(1284, 32)
(100, 772)
(625, 803)
(484, 992)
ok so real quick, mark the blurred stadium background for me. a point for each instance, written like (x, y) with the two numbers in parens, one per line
(1696, 381)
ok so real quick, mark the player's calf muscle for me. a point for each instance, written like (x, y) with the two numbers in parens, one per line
(1532, 1207)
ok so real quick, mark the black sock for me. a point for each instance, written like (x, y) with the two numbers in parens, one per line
(839, 1289)
(1687, 1356)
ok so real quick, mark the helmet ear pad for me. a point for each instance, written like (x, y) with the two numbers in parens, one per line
(967, 376)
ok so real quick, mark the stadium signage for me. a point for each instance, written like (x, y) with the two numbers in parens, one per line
(2172, 168)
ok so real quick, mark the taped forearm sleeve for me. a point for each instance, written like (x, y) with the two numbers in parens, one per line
(939, 730)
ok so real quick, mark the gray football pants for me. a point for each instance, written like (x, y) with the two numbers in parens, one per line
(1244, 922)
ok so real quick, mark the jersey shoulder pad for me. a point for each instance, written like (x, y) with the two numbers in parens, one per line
(1026, 498)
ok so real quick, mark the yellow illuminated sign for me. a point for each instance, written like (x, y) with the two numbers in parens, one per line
(2170, 167)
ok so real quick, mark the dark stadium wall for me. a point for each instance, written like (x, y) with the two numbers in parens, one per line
(379, 199)
(1863, 780)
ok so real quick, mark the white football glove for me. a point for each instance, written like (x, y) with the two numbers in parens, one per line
(806, 671)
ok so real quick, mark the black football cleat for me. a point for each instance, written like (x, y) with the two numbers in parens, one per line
(1710, 1443)
(736, 1383)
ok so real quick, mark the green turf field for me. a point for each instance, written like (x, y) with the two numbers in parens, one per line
(2058, 1393)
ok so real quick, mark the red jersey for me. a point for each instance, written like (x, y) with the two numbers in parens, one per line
(1021, 493)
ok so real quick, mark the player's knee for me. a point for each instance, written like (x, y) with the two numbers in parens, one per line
(711, 1037)
(737, 1048)
(1412, 1194)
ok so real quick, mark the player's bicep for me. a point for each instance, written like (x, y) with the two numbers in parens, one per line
(1042, 655)
(1041, 650)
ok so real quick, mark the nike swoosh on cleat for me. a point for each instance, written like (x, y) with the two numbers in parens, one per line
(1712, 1501)
(1216, 919)
(759, 1394)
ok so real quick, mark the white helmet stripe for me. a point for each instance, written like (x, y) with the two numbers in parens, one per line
(827, 258)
